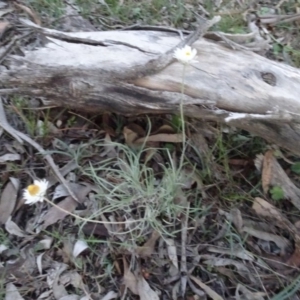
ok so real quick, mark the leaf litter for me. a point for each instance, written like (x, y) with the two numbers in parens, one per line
(131, 221)
(138, 227)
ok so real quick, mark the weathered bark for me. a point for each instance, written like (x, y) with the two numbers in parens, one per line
(240, 88)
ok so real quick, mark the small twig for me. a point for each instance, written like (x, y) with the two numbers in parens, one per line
(276, 19)
(5, 125)
(77, 40)
(159, 63)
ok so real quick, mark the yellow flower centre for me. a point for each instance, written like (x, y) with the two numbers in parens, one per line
(33, 189)
(187, 53)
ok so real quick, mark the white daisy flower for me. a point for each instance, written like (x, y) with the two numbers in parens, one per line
(185, 55)
(35, 192)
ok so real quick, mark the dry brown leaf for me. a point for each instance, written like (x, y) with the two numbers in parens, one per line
(109, 148)
(39, 262)
(258, 162)
(267, 171)
(240, 253)
(247, 294)
(14, 269)
(12, 292)
(294, 259)
(130, 136)
(12, 228)
(206, 289)
(66, 169)
(274, 175)
(67, 205)
(139, 130)
(45, 243)
(237, 219)
(66, 251)
(3, 26)
(55, 214)
(199, 142)
(73, 278)
(164, 129)
(180, 198)
(129, 278)
(190, 178)
(80, 190)
(280, 241)
(148, 248)
(161, 137)
(8, 200)
(144, 290)
(151, 153)
(59, 291)
(54, 273)
(95, 229)
(230, 273)
(172, 252)
(222, 262)
(9, 156)
(135, 135)
(265, 209)
(79, 247)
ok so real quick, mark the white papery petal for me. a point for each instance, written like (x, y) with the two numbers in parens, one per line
(185, 55)
(41, 186)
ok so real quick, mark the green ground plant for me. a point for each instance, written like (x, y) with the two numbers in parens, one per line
(139, 188)
(50, 8)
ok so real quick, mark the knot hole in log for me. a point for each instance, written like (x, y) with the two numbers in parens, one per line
(268, 78)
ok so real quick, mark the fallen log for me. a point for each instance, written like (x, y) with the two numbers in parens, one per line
(94, 71)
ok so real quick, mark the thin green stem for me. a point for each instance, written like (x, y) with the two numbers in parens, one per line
(182, 117)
